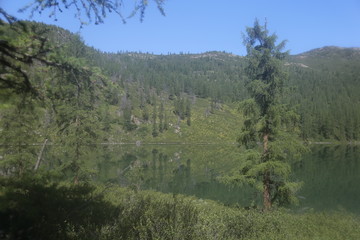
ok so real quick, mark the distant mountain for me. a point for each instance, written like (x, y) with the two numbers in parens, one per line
(325, 83)
(331, 52)
(324, 86)
(328, 85)
(330, 58)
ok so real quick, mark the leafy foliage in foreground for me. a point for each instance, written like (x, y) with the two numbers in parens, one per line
(36, 209)
(33, 210)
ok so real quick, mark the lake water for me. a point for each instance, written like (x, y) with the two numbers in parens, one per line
(331, 176)
(330, 173)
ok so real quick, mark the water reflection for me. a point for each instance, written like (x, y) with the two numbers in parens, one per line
(190, 170)
(331, 174)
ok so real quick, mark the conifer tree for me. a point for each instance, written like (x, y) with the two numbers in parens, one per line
(265, 83)
(188, 112)
(155, 132)
(145, 113)
(73, 94)
(18, 125)
(161, 117)
(166, 123)
(267, 121)
(95, 10)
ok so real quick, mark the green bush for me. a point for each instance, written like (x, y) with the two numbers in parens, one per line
(148, 215)
(32, 209)
(36, 209)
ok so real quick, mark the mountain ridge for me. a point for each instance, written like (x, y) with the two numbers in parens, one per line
(324, 85)
(219, 53)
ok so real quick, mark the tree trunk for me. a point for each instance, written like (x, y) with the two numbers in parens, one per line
(37, 165)
(266, 176)
(266, 191)
(76, 179)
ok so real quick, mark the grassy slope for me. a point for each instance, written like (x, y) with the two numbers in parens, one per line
(32, 209)
(221, 127)
(215, 221)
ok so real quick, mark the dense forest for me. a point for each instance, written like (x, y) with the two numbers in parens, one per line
(55, 90)
(143, 94)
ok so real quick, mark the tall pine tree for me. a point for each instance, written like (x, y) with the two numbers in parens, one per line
(270, 129)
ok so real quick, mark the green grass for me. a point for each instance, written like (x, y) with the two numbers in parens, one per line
(33, 208)
(220, 127)
(212, 220)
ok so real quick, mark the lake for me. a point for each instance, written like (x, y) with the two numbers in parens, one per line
(330, 173)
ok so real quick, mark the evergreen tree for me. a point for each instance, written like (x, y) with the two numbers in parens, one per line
(155, 132)
(73, 94)
(95, 11)
(18, 125)
(179, 107)
(128, 124)
(268, 121)
(145, 113)
(22, 44)
(166, 123)
(161, 117)
(188, 112)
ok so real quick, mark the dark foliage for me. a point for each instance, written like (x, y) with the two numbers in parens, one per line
(31, 209)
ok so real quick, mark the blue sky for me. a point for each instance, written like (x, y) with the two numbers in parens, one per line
(195, 26)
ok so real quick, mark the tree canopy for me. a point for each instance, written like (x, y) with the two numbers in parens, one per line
(15, 56)
(88, 10)
(268, 121)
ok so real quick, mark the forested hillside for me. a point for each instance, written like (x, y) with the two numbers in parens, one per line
(63, 103)
(324, 83)
(327, 84)
(179, 97)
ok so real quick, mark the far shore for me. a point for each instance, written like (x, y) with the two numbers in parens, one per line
(139, 143)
